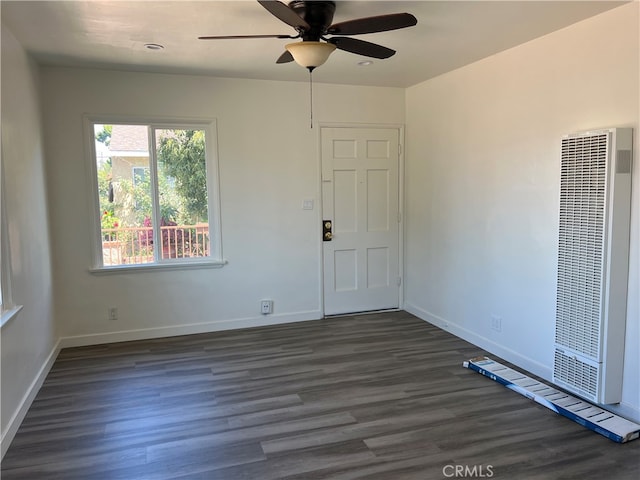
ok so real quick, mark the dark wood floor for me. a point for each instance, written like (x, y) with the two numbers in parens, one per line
(380, 396)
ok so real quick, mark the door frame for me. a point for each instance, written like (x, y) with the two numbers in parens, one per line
(401, 201)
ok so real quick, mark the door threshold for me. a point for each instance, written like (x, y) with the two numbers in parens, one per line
(363, 312)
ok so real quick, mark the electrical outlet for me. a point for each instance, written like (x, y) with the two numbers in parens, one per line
(496, 323)
(113, 313)
(266, 307)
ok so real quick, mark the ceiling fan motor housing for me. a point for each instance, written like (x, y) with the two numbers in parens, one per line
(318, 14)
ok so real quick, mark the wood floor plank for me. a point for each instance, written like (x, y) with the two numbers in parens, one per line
(378, 397)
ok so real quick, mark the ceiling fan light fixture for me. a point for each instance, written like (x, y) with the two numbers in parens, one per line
(310, 54)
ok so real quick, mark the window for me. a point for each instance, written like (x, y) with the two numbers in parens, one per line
(8, 309)
(4, 267)
(140, 175)
(155, 191)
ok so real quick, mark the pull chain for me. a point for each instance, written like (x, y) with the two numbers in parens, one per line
(311, 94)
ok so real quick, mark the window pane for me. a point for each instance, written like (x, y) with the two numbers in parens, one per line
(124, 187)
(182, 186)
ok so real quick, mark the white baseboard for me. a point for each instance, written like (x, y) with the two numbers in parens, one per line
(27, 400)
(487, 344)
(193, 328)
(625, 410)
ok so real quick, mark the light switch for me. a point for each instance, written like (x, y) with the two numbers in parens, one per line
(307, 204)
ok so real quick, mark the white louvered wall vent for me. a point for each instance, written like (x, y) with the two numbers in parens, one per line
(593, 263)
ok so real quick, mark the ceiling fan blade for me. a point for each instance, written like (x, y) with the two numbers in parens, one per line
(361, 47)
(228, 37)
(380, 23)
(285, 14)
(286, 57)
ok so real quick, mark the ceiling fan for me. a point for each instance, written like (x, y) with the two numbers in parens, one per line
(312, 20)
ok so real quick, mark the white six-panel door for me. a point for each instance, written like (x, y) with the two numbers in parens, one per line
(360, 196)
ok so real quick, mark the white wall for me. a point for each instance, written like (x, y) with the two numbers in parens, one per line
(268, 165)
(29, 339)
(482, 169)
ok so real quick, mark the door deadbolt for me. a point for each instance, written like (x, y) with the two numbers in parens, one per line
(327, 234)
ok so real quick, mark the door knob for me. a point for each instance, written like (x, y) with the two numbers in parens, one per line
(327, 234)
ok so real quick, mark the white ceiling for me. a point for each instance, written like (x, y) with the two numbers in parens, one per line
(112, 34)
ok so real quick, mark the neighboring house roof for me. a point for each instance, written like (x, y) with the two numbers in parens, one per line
(129, 141)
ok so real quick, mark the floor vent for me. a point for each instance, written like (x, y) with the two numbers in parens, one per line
(586, 414)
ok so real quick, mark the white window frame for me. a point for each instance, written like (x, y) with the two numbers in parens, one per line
(8, 310)
(215, 258)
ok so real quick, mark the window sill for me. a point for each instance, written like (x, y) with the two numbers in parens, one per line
(150, 267)
(9, 314)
